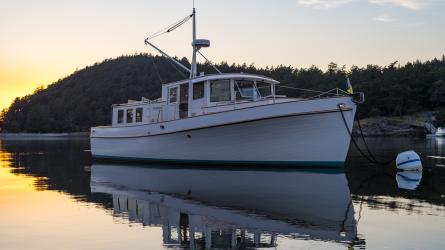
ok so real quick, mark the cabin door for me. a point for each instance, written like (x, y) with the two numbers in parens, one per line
(184, 101)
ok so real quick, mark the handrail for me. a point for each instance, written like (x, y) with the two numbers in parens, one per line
(295, 88)
(331, 92)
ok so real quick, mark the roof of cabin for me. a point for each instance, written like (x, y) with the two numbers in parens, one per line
(226, 76)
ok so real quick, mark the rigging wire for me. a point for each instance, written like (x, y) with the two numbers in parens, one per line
(176, 67)
(211, 64)
(163, 31)
(156, 68)
(170, 28)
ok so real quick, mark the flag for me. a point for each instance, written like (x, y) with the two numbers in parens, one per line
(348, 87)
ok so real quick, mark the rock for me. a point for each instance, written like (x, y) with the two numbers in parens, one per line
(387, 126)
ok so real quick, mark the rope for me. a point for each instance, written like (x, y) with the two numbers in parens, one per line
(367, 148)
(352, 138)
(363, 138)
(371, 157)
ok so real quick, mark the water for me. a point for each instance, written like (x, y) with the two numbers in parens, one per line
(52, 196)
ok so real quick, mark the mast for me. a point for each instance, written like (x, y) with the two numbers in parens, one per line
(197, 44)
(193, 71)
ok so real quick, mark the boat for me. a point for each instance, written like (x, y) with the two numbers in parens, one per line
(228, 118)
(440, 132)
(432, 131)
(198, 206)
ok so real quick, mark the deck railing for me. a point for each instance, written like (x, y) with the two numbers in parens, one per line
(308, 94)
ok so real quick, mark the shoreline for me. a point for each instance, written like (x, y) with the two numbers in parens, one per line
(44, 135)
(400, 126)
(86, 135)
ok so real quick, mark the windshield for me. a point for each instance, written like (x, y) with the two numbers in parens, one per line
(264, 88)
(245, 90)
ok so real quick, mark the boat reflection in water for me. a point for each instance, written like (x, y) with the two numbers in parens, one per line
(440, 142)
(409, 180)
(231, 208)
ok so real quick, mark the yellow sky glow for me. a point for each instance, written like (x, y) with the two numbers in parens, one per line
(20, 81)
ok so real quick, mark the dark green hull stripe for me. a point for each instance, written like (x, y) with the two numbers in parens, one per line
(217, 162)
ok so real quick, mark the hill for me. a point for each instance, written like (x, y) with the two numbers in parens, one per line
(84, 98)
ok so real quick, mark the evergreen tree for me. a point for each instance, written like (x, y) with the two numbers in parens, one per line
(84, 98)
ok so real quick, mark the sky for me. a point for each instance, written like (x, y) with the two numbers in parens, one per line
(42, 41)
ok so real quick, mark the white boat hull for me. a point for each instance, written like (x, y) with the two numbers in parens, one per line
(305, 133)
(440, 133)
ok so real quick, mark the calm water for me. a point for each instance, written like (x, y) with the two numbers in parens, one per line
(53, 197)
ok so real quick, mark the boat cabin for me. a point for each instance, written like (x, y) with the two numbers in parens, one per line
(197, 96)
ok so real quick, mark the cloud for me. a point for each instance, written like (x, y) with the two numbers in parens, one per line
(384, 19)
(327, 4)
(323, 4)
(409, 4)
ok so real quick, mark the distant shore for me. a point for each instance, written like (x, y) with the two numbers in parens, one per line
(44, 135)
(397, 126)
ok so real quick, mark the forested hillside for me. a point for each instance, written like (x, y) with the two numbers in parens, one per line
(84, 98)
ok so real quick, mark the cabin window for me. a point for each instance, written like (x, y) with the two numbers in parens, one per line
(120, 116)
(129, 115)
(173, 94)
(245, 90)
(220, 91)
(264, 88)
(139, 115)
(198, 90)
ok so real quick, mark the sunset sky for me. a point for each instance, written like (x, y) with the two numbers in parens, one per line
(42, 41)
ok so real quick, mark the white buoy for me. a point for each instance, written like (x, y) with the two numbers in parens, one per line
(408, 161)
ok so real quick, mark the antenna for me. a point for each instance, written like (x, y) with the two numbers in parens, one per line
(193, 69)
(197, 44)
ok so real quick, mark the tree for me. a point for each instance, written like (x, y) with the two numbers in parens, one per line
(2, 118)
(84, 98)
(440, 118)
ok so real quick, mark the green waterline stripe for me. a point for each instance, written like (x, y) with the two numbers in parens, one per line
(300, 164)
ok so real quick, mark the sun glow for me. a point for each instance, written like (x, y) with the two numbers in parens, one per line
(10, 181)
(21, 80)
